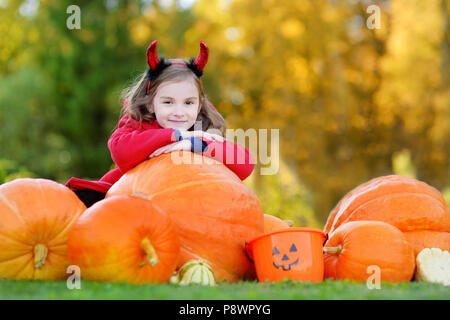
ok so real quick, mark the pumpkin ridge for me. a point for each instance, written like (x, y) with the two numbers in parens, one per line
(358, 261)
(9, 237)
(224, 220)
(393, 194)
(383, 271)
(54, 252)
(363, 189)
(15, 257)
(376, 183)
(349, 215)
(66, 228)
(359, 188)
(44, 203)
(232, 223)
(22, 267)
(13, 209)
(18, 275)
(180, 186)
(351, 270)
(420, 239)
(214, 240)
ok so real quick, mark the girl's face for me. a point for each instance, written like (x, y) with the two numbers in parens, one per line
(176, 104)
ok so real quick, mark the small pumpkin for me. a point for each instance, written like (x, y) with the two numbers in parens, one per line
(357, 245)
(213, 211)
(124, 239)
(272, 223)
(433, 265)
(408, 204)
(194, 272)
(35, 218)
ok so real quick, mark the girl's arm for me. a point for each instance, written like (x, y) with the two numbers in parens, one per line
(130, 145)
(235, 156)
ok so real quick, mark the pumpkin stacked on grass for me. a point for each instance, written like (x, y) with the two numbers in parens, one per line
(35, 219)
(414, 207)
(357, 248)
(212, 210)
(124, 239)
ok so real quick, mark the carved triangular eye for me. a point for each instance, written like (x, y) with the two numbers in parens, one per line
(293, 248)
(275, 251)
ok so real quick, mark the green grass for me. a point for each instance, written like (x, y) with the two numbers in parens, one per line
(24, 289)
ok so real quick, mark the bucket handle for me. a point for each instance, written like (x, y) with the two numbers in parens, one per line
(326, 239)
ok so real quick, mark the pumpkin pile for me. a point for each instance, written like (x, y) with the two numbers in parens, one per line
(212, 210)
(412, 214)
(188, 222)
(158, 217)
(414, 207)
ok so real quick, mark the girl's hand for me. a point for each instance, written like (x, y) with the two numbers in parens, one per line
(180, 145)
(202, 134)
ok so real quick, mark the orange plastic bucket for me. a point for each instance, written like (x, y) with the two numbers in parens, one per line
(293, 253)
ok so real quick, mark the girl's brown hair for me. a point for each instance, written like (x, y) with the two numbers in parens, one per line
(140, 105)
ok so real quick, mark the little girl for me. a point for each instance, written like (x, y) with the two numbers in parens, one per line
(158, 116)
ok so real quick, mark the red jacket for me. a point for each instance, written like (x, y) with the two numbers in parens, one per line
(131, 144)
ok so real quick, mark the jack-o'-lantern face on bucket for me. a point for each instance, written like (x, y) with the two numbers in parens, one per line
(285, 258)
(292, 253)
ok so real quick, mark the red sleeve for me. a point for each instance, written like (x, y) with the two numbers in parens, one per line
(236, 157)
(112, 176)
(130, 145)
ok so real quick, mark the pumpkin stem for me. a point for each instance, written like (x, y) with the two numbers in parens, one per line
(149, 251)
(140, 194)
(40, 254)
(290, 223)
(337, 249)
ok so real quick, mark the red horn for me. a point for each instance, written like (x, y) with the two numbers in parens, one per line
(152, 56)
(202, 57)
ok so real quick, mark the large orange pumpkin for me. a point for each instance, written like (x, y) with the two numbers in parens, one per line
(124, 239)
(272, 223)
(35, 218)
(213, 211)
(355, 246)
(408, 204)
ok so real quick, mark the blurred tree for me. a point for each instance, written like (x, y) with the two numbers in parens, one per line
(13, 34)
(10, 170)
(414, 97)
(314, 70)
(402, 164)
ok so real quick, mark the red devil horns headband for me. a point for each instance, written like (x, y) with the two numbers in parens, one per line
(157, 65)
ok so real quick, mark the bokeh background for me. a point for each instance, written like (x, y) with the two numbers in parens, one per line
(351, 103)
